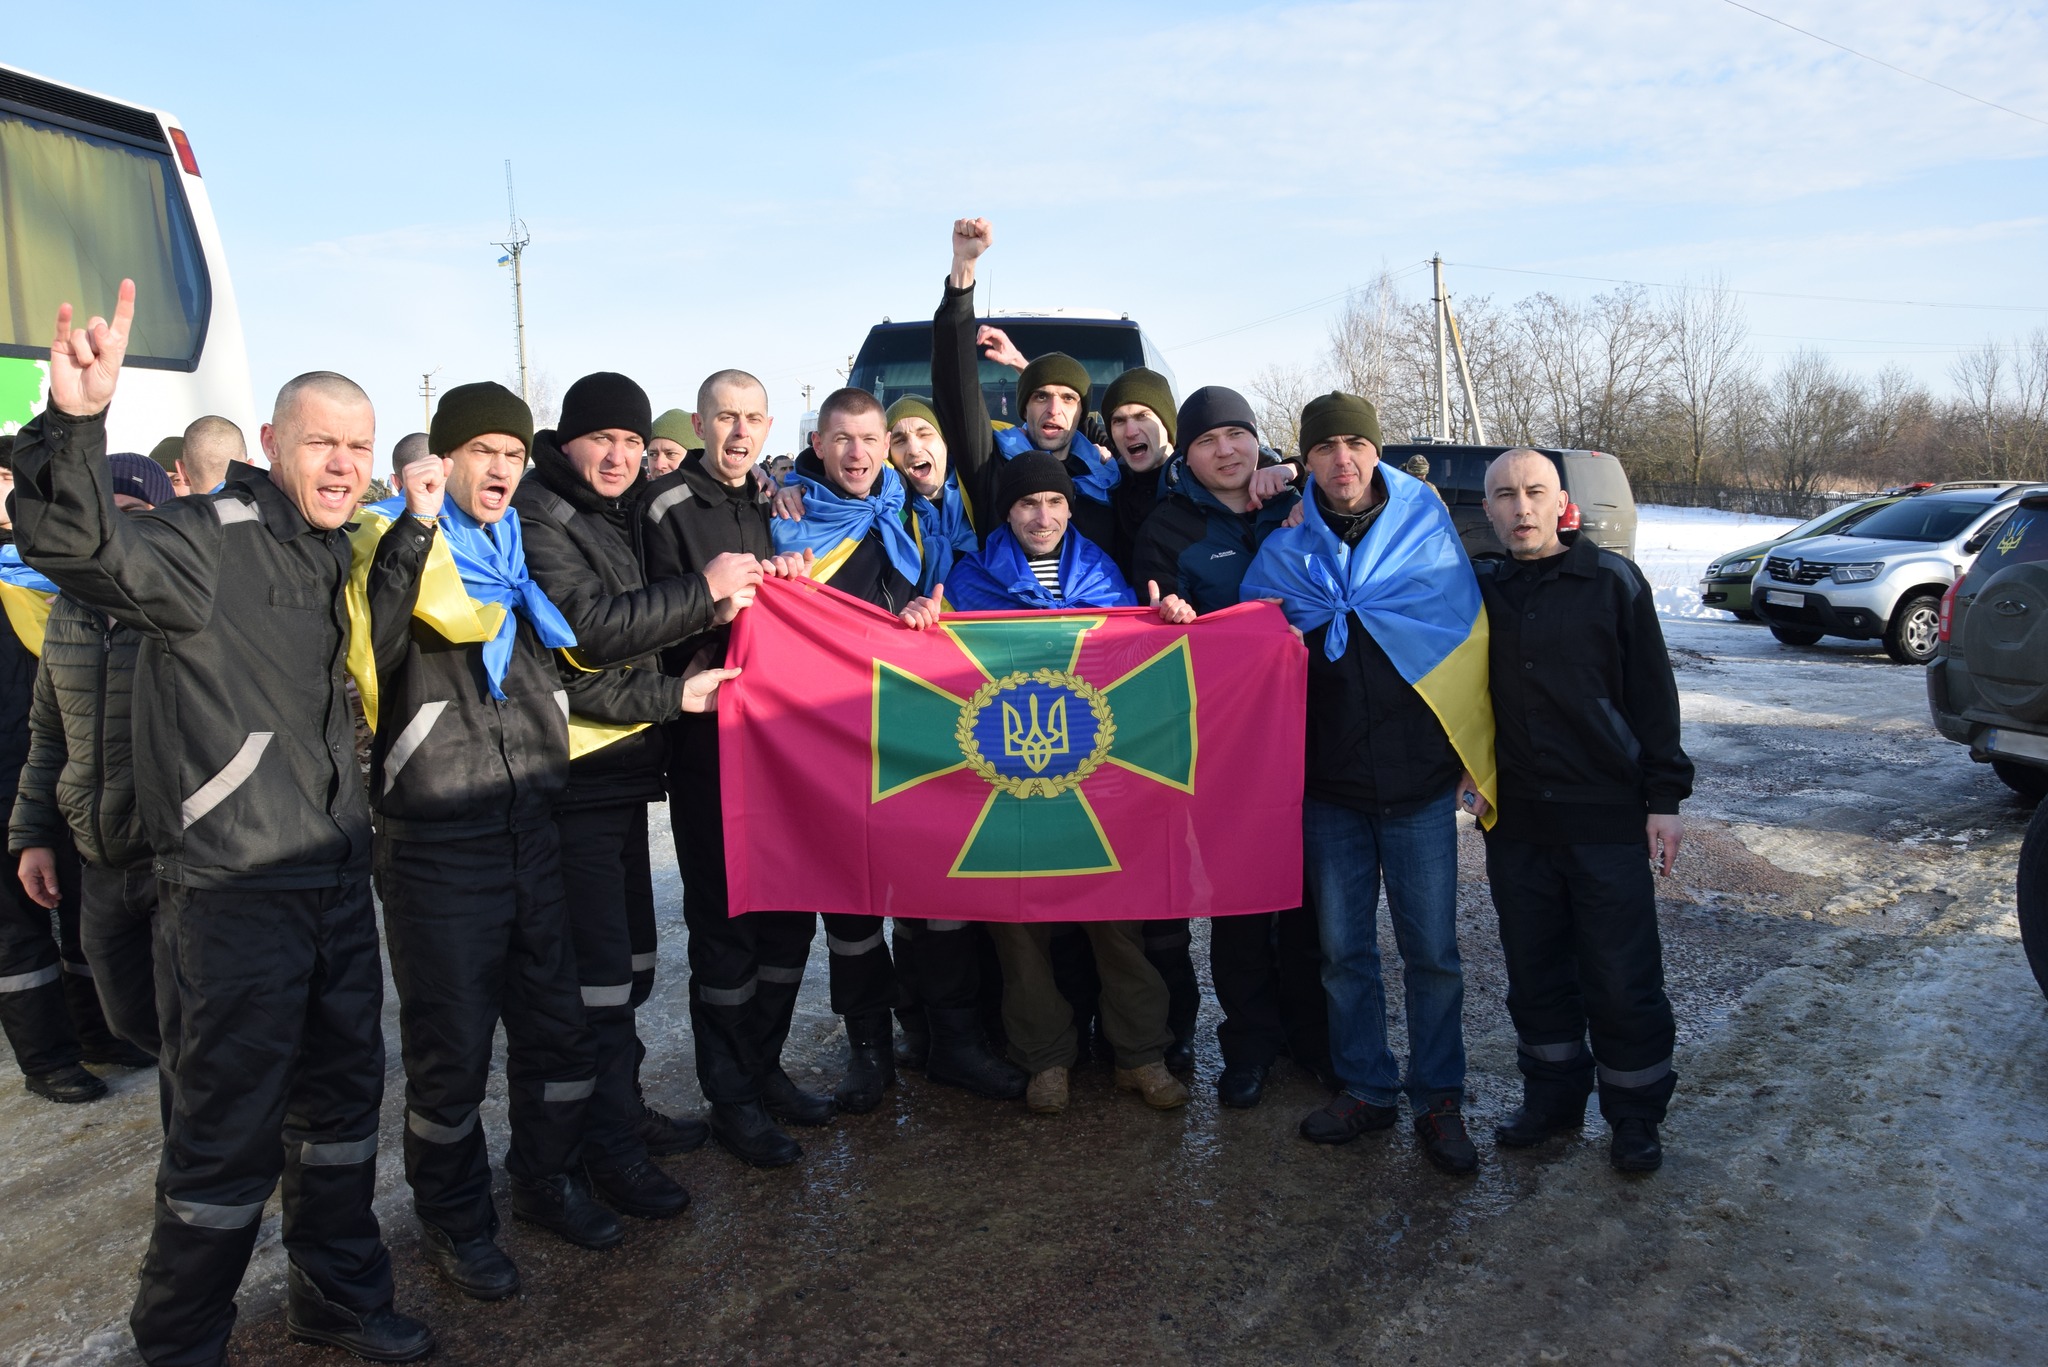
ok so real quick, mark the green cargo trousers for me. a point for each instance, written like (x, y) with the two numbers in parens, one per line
(1040, 1022)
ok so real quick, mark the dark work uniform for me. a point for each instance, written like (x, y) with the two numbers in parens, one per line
(78, 789)
(744, 970)
(584, 551)
(944, 960)
(1587, 741)
(468, 866)
(970, 440)
(246, 774)
(1267, 968)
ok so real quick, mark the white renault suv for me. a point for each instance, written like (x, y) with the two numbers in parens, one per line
(1884, 578)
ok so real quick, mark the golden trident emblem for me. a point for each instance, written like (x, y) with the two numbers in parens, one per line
(1037, 746)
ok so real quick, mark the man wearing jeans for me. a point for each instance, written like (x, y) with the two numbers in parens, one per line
(1374, 569)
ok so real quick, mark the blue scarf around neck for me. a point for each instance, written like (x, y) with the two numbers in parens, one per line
(1095, 482)
(1000, 577)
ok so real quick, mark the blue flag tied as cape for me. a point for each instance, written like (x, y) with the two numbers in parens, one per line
(1409, 582)
(1000, 577)
(492, 563)
(833, 525)
(1101, 476)
(947, 530)
(13, 570)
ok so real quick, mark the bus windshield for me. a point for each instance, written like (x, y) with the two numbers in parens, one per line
(78, 213)
(895, 361)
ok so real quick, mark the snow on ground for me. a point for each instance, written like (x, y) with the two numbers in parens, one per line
(1674, 546)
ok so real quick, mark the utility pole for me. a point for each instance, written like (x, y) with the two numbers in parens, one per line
(807, 397)
(427, 397)
(515, 245)
(1443, 373)
(1465, 376)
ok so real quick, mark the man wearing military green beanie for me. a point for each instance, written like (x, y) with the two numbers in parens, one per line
(1138, 409)
(469, 411)
(674, 437)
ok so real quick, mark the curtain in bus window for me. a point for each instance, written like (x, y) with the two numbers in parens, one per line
(77, 214)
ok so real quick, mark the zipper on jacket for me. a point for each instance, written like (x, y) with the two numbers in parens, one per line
(99, 741)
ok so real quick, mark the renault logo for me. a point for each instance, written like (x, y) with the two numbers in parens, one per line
(1798, 568)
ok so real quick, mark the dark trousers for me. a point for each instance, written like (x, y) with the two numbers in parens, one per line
(1170, 947)
(117, 932)
(479, 933)
(1578, 924)
(744, 970)
(603, 850)
(1268, 971)
(48, 1007)
(1039, 1019)
(272, 1006)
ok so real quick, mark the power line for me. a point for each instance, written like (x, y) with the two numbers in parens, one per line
(1761, 294)
(1929, 80)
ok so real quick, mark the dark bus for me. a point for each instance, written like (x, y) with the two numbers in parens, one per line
(896, 358)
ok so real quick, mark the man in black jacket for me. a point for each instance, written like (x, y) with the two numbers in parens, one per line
(579, 512)
(1592, 771)
(78, 791)
(744, 970)
(1198, 543)
(246, 772)
(470, 752)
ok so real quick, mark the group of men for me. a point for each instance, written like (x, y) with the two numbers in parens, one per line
(534, 629)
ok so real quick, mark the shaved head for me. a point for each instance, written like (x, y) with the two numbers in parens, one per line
(707, 393)
(1525, 500)
(411, 447)
(326, 384)
(1501, 464)
(211, 445)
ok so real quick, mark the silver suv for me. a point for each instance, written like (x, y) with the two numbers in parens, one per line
(1884, 578)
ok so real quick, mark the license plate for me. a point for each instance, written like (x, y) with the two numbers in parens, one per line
(1783, 599)
(1999, 742)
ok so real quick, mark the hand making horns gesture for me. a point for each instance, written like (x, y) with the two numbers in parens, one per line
(86, 361)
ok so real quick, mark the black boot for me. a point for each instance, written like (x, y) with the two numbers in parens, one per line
(1635, 1147)
(1538, 1118)
(563, 1203)
(745, 1130)
(1240, 1085)
(380, 1335)
(638, 1189)
(870, 1066)
(667, 1135)
(477, 1267)
(914, 1045)
(69, 1084)
(960, 1057)
(791, 1104)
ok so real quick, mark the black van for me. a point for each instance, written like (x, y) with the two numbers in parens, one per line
(1597, 484)
(896, 358)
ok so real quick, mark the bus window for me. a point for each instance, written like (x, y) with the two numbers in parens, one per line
(78, 213)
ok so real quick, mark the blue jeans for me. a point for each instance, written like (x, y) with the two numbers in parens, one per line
(1347, 852)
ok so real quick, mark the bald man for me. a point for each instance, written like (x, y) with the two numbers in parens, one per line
(1591, 775)
(252, 801)
(212, 444)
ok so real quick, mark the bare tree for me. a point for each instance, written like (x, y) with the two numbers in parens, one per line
(1280, 392)
(1811, 420)
(1705, 332)
(547, 404)
(1365, 340)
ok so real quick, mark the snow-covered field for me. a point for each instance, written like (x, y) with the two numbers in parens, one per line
(1674, 546)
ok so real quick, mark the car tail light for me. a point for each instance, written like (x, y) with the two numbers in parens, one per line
(184, 146)
(1948, 606)
(1570, 521)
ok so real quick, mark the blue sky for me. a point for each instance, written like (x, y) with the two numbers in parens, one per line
(756, 185)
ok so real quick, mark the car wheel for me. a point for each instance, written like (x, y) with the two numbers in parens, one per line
(2030, 781)
(1915, 630)
(2033, 896)
(1796, 636)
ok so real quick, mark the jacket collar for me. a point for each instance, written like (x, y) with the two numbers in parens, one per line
(280, 515)
(559, 477)
(708, 489)
(1581, 558)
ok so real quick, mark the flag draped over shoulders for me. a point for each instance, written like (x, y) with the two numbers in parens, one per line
(25, 594)
(1096, 482)
(1000, 577)
(833, 526)
(946, 528)
(1409, 583)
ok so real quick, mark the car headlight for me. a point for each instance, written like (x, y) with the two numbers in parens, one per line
(1736, 567)
(1858, 574)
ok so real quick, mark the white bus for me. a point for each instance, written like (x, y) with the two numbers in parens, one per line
(93, 190)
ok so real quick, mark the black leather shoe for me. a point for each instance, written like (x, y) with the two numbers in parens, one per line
(380, 1335)
(1531, 1123)
(563, 1204)
(1345, 1118)
(1180, 1057)
(749, 1133)
(791, 1104)
(870, 1063)
(1635, 1147)
(1240, 1085)
(119, 1053)
(70, 1084)
(667, 1135)
(1445, 1143)
(961, 1057)
(477, 1267)
(638, 1189)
